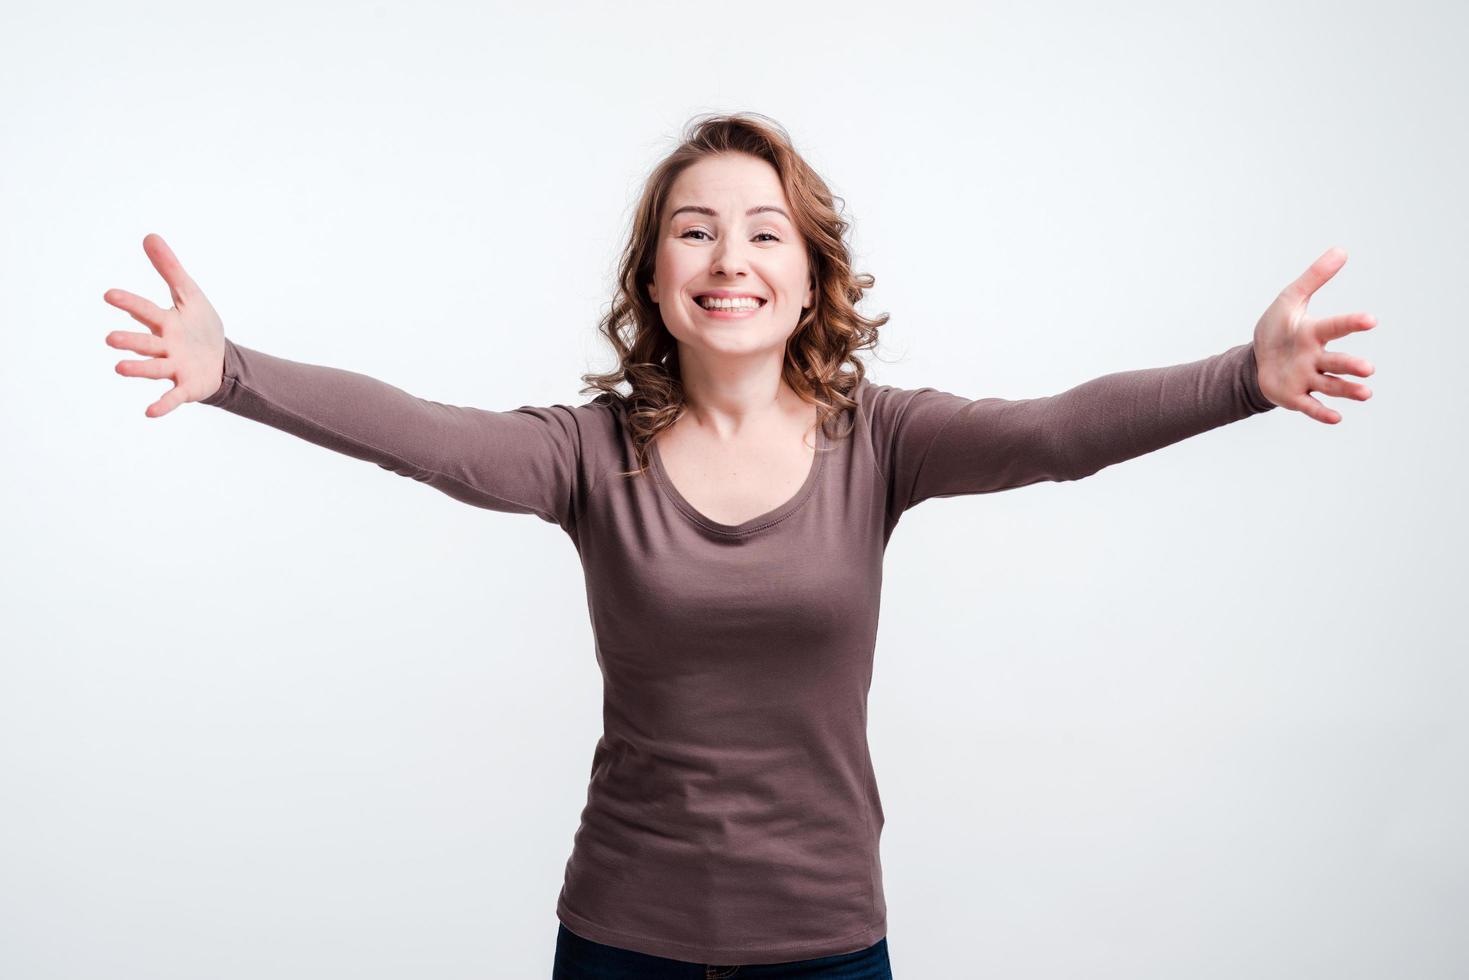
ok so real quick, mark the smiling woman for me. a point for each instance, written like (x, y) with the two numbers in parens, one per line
(734, 571)
(735, 210)
(729, 262)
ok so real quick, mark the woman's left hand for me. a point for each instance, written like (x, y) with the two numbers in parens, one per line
(1290, 347)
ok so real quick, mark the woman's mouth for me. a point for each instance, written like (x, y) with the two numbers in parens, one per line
(729, 309)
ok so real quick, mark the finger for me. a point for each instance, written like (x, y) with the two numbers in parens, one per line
(140, 343)
(1310, 406)
(1331, 385)
(155, 367)
(144, 311)
(171, 399)
(1335, 327)
(1338, 363)
(1321, 270)
(169, 267)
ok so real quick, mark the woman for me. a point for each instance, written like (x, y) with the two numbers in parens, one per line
(733, 565)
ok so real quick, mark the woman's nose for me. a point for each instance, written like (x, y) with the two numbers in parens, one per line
(727, 257)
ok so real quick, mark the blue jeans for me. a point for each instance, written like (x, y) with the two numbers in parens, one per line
(581, 959)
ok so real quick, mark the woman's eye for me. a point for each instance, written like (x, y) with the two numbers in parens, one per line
(701, 231)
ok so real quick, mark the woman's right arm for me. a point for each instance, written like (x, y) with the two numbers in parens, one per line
(521, 461)
(528, 460)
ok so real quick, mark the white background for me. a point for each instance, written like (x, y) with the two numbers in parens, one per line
(270, 711)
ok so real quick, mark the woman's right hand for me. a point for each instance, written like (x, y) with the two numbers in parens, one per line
(185, 343)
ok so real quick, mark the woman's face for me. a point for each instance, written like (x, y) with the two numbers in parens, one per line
(721, 246)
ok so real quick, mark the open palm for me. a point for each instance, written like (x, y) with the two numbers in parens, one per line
(1290, 346)
(185, 343)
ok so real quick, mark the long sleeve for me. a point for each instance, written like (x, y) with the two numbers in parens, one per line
(525, 461)
(931, 443)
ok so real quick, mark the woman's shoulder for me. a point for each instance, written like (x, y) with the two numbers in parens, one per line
(888, 410)
(876, 401)
(600, 424)
(608, 407)
(604, 411)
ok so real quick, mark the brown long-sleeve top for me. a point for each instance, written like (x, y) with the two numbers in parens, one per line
(732, 814)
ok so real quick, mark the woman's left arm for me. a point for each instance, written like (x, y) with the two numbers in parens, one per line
(1290, 347)
(938, 444)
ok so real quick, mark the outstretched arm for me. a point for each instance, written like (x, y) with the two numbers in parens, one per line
(522, 461)
(964, 446)
(528, 460)
(932, 443)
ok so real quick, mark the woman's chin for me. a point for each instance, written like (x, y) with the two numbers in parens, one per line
(732, 342)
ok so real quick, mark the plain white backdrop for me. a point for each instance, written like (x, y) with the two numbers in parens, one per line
(269, 711)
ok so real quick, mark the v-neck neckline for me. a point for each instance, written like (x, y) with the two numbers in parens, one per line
(756, 523)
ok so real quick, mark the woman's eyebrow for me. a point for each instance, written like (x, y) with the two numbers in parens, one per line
(701, 209)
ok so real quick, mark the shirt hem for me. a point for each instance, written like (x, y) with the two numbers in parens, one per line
(721, 955)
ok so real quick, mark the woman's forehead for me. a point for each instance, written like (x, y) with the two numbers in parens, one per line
(727, 180)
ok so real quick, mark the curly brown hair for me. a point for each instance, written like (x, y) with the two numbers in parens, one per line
(829, 333)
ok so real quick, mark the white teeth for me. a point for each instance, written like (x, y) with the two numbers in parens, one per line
(728, 304)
